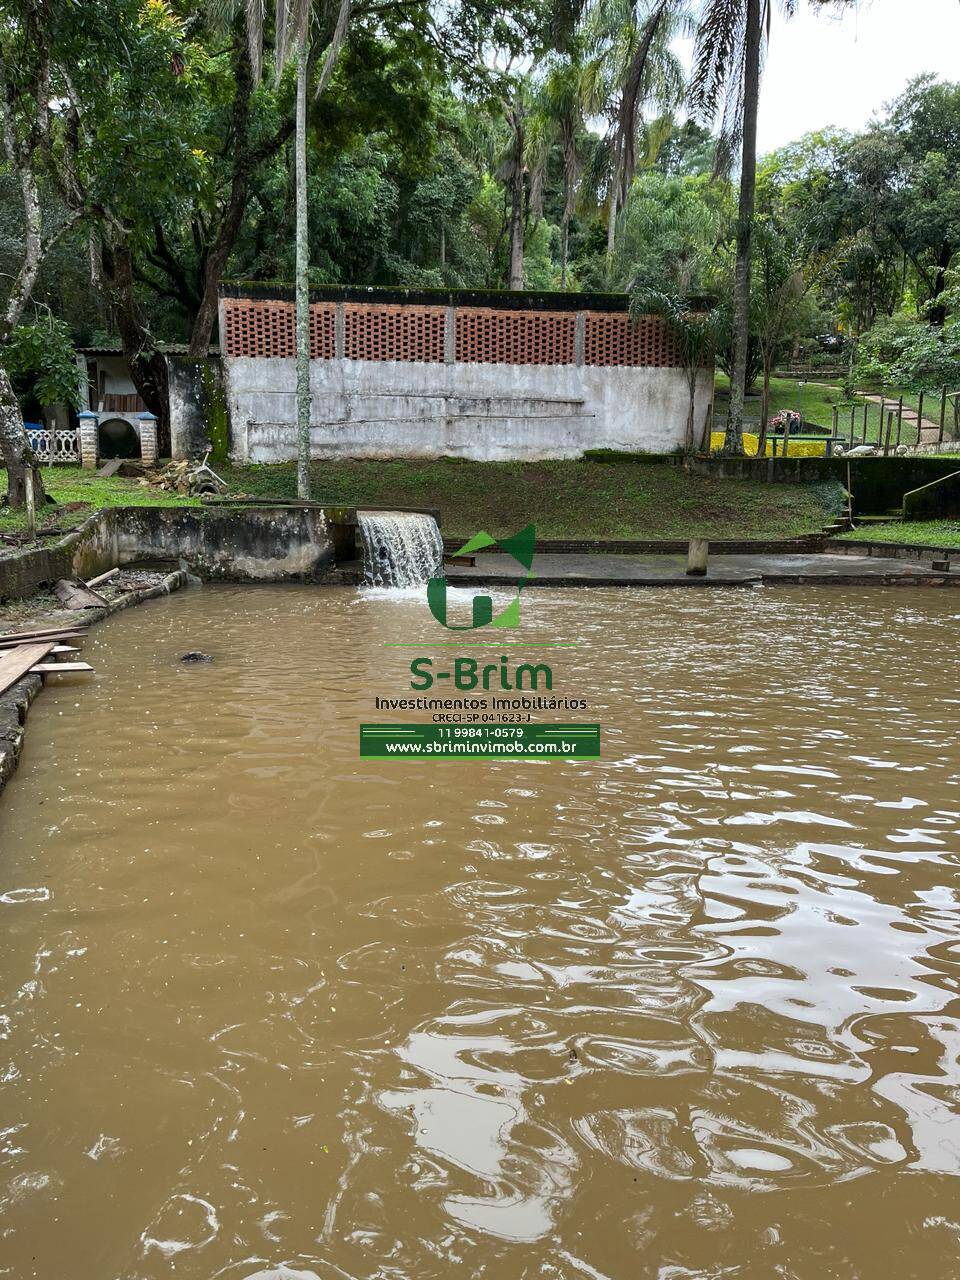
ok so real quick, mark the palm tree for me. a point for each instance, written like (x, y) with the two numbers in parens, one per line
(559, 119)
(726, 70)
(513, 172)
(295, 23)
(632, 63)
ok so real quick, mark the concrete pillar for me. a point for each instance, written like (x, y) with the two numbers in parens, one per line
(83, 381)
(697, 550)
(580, 338)
(450, 336)
(88, 440)
(340, 331)
(148, 438)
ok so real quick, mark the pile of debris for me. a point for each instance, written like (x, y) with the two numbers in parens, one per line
(192, 479)
(73, 593)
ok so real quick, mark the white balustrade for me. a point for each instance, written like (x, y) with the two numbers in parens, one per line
(56, 447)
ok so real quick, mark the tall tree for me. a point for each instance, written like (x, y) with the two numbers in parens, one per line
(304, 30)
(25, 79)
(559, 108)
(295, 22)
(726, 70)
(727, 61)
(53, 139)
(632, 64)
(513, 173)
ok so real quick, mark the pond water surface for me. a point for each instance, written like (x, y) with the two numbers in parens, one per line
(688, 1011)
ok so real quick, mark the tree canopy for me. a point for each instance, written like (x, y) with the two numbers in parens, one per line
(148, 157)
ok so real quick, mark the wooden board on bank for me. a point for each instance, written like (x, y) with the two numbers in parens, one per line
(73, 594)
(58, 668)
(16, 663)
(72, 631)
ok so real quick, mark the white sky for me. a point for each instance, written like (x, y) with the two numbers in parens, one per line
(823, 69)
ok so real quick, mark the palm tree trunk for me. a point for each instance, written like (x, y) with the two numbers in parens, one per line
(733, 441)
(302, 279)
(564, 247)
(516, 230)
(764, 409)
(611, 233)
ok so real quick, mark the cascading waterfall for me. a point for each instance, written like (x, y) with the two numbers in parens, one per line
(400, 548)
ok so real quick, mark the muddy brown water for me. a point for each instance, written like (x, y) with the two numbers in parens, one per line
(688, 1011)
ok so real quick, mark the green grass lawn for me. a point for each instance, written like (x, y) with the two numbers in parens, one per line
(816, 402)
(582, 499)
(78, 493)
(924, 533)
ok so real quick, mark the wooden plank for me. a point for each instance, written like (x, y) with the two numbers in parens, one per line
(64, 648)
(74, 595)
(15, 664)
(7, 644)
(58, 668)
(104, 577)
(18, 637)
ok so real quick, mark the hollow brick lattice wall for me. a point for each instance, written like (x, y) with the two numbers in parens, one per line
(381, 331)
(268, 329)
(612, 339)
(514, 337)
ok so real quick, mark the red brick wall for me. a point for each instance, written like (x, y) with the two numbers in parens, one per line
(384, 331)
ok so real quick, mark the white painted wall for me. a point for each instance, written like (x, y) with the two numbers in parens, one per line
(487, 412)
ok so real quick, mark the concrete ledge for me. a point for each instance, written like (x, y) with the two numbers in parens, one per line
(251, 544)
(802, 545)
(810, 569)
(891, 550)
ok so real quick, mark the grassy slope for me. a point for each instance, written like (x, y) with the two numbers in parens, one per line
(564, 499)
(929, 533)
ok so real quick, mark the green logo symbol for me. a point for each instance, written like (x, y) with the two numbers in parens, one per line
(520, 546)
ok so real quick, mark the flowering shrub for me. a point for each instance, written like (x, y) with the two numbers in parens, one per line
(795, 448)
(786, 420)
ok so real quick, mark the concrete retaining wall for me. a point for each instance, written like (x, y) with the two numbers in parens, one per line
(198, 418)
(937, 500)
(486, 412)
(261, 544)
(878, 484)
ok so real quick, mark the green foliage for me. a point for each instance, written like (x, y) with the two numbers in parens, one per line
(408, 186)
(40, 357)
(900, 352)
(916, 533)
(671, 229)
